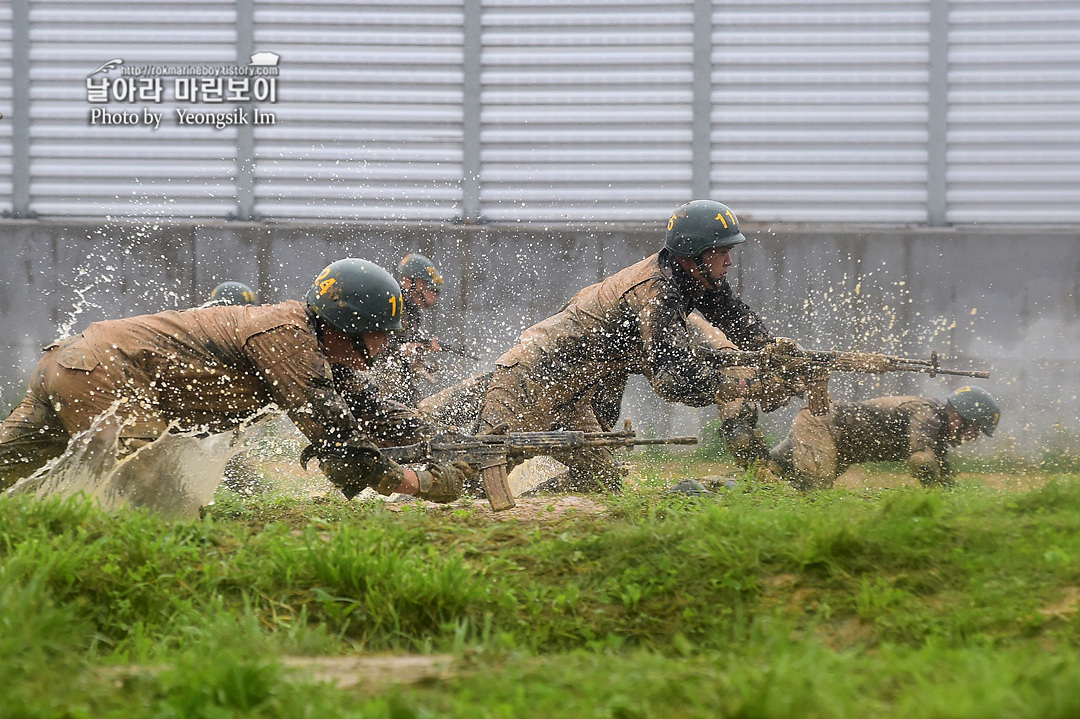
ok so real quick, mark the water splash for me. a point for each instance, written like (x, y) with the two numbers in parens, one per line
(175, 475)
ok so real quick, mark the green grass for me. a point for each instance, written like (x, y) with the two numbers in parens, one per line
(757, 603)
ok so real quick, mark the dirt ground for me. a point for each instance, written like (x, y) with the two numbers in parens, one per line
(365, 671)
(861, 478)
(856, 477)
(528, 508)
(289, 478)
(372, 671)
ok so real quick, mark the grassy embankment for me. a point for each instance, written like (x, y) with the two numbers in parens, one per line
(898, 602)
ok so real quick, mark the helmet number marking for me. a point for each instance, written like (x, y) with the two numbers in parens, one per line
(325, 285)
(671, 223)
(393, 305)
(720, 216)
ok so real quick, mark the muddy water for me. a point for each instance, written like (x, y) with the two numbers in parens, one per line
(175, 475)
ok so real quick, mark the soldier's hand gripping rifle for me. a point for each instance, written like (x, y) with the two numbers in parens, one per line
(810, 368)
(491, 452)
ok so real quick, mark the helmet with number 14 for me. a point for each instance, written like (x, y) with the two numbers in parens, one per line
(357, 296)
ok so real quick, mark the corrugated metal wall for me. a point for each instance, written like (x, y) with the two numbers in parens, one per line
(889, 111)
(371, 110)
(1014, 111)
(586, 108)
(820, 109)
(5, 106)
(83, 169)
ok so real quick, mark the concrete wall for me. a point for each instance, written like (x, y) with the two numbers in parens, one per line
(1002, 299)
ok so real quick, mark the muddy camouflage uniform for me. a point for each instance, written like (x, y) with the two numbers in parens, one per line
(907, 429)
(201, 368)
(569, 371)
(459, 405)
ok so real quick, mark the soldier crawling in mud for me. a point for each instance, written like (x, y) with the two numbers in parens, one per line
(240, 473)
(915, 430)
(569, 371)
(400, 372)
(212, 368)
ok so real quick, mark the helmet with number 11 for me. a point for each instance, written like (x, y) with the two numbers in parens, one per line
(700, 225)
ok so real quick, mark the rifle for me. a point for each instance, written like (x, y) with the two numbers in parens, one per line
(492, 452)
(813, 367)
(451, 347)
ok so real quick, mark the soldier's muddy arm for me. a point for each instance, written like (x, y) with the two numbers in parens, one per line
(386, 422)
(742, 326)
(298, 380)
(670, 360)
(681, 370)
(927, 462)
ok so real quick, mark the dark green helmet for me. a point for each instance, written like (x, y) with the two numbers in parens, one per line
(976, 405)
(232, 293)
(700, 225)
(417, 267)
(357, 296)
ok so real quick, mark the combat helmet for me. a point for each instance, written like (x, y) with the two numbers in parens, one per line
(976, 405)
(356, 296)
(231, 293)
(700, 225)
(417, 267)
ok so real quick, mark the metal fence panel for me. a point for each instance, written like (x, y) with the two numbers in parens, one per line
(884, 111)
(1014, 111)
(586, 109)
(372, 128)
(5, 106)
(820, 109)
(79, 168)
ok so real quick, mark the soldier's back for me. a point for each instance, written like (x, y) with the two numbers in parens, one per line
(883, 428)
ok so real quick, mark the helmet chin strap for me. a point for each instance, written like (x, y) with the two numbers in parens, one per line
(710, 283)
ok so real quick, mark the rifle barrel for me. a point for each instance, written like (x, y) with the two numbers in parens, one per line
(667, 440)
(980, 374)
